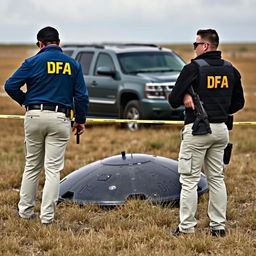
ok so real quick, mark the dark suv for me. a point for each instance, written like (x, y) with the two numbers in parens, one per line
(130, 81)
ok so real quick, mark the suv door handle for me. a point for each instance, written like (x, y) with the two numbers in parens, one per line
(94, 83)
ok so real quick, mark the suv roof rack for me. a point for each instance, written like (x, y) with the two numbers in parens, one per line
(102, 46)
(136, 44)
(83, 45)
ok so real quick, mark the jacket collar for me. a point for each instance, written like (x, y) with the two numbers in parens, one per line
(50, 48)
(209, 55)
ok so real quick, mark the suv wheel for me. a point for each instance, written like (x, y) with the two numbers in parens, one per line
(132, 111)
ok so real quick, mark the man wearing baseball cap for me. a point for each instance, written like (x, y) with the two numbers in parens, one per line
(55, 86)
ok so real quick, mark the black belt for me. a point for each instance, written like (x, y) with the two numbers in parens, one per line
(51, 107)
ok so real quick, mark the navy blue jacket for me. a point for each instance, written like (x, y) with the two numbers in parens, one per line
(51, 77)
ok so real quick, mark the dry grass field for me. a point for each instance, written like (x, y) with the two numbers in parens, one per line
(139, 227)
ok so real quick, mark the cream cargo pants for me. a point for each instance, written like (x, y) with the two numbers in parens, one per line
(197, 152)
(46, 137)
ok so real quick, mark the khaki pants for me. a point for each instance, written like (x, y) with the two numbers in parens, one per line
(46, 137)
(196, 152)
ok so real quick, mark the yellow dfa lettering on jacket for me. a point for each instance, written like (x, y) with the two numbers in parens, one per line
(58, 67)
(50, 67)
(217, 82)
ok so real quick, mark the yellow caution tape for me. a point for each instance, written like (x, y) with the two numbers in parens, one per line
(12, 116)
(244, 123)
(134, 121)
(100, 120)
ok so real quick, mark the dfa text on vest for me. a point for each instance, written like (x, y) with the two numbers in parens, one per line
(58, 67)
(217, 82)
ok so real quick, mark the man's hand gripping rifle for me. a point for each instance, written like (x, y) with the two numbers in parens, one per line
(201, 125)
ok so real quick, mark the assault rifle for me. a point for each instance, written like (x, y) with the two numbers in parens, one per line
(201, 125)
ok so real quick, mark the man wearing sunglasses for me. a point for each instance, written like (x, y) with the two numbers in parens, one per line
(54, 84)
(218, 85)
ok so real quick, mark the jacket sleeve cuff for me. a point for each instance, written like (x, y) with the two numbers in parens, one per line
(80, 120)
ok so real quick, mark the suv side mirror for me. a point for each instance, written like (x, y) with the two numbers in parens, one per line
(106, 71)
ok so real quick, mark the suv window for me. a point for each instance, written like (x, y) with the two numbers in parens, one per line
(104, 60)
(68, 52)
(85, 58)
(136, 62)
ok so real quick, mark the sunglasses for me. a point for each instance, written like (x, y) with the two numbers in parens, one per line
(37, 44)
(195, 44)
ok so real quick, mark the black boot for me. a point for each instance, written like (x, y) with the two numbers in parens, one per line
(177, 232)
(218, 232)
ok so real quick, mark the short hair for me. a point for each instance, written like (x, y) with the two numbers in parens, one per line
(48, 35)
(209, 34)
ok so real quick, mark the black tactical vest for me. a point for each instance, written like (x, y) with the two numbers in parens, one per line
(215, 89)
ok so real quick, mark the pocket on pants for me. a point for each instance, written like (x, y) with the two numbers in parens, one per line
(63, 119)
(185, 163)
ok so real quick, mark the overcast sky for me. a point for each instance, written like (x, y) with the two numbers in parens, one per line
(157, 21)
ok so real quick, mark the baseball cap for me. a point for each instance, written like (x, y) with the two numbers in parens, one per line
(48, 34)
